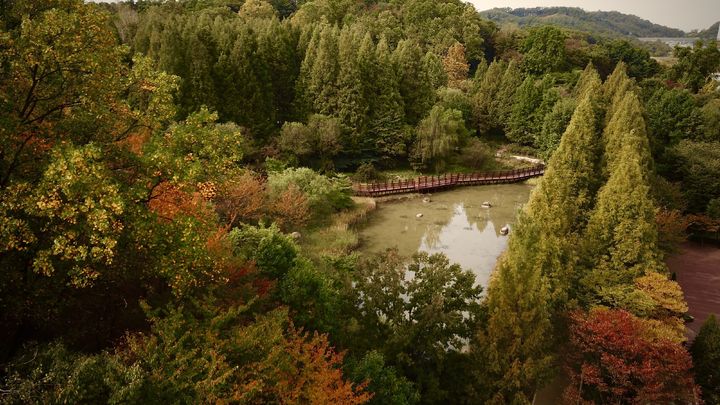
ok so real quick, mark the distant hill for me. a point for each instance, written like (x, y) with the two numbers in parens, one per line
(610, 23)
(710, 33)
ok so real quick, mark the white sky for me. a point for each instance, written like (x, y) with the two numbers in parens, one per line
(685, 14)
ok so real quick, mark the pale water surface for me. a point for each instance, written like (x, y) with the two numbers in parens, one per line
(453, 222)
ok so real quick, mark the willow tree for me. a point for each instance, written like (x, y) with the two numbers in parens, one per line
(437, 137)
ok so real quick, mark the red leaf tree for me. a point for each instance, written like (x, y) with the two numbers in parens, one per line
(615, 359)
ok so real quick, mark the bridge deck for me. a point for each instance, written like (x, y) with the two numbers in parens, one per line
(427, 184)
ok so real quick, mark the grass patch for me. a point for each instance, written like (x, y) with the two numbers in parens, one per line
(338, 235)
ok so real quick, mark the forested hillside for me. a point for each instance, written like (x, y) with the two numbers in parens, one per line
(176, 209)
(610, 23)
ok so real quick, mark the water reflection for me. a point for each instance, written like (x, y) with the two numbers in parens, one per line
(453, 223)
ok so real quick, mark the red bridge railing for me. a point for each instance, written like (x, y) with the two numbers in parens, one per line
(426, 184)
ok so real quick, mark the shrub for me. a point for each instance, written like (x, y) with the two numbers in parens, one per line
(273, 252)
(367, 172)
(476, 155)
(324, 194)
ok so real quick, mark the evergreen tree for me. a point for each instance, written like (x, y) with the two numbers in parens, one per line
(614, 89)
(563, 199)
(587, 80)
(517, 343)
(705, 351)
(550, 97)
(519, 126)
(303, 97)
(322, 86)
(554, 125)
(480, 71)
(621, 237)
(503, 102)
(484, 98)
(435, 69)
(627, 126)
(415, 85)
(532, 102)
(387, 112)
(352, 105)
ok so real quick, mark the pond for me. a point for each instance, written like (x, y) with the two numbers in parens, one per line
(453, 222)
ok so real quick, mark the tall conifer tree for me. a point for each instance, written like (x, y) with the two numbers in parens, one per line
(564, 198)
(484, 98)
(517, 345)
(414, 81)
(627, 126)
(502, 103)
(621, 237)
(352, 105)
(387, 112)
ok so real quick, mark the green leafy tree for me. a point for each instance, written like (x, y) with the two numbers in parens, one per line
(437, 137)
(386, 385)
(314, 144)
(697, 165)
(324, 194)
(671, 116)
(706, 356)
(710, 114)
(695, 64)
(544, 50)
(419, 323)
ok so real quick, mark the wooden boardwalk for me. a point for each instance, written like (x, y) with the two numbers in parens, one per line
(426, 184)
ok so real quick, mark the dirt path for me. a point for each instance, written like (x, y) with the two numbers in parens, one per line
(698, 272)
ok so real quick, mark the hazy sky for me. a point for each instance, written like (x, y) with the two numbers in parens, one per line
(683, 14)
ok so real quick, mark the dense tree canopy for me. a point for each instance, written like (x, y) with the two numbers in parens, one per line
(176, 219)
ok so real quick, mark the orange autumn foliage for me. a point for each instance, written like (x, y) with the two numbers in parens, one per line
(168, 201)
(241, 199)
(291, 208)
(312, 373)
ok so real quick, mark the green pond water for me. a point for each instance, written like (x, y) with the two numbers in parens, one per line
(453, 222)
